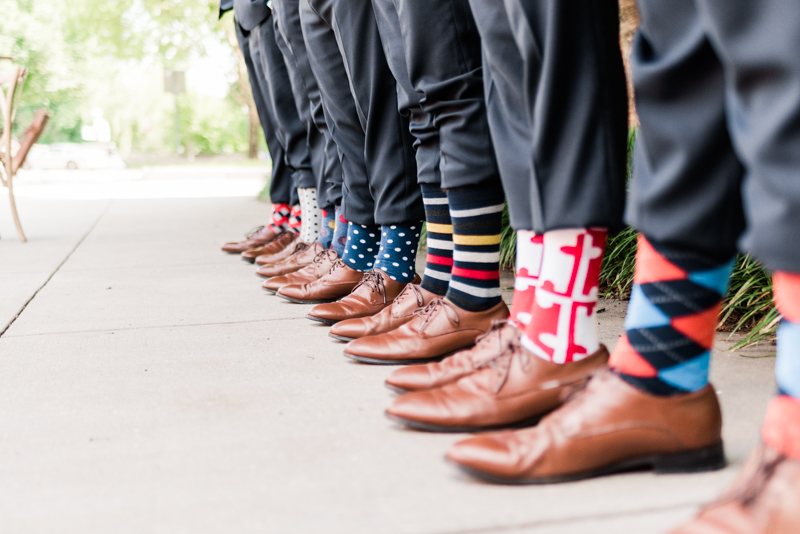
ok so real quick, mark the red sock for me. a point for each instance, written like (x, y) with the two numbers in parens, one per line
(563, 326)
(529, 262)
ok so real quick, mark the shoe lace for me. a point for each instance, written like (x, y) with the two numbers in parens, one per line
(432, 308)
(338, 264)
(749, 492)
(411, 289)
(325, 254)
(254, 231)
(374, 281)
(507, 350)
(300, 247)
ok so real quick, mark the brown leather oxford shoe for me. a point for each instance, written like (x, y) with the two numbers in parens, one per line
(255, 238)
(410, 299)
(460, 364)
(438, 330)
(335, 284)
(375, 292)
(515, 388)
(608, 427)
(764, 499)
(281, 242)
(303, 255)
(316, 269)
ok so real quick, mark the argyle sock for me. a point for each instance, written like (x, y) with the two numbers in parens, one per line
(312, 215)
(477, 215)
(339, 232)
(530, 248)
(398, 251)
(280, 218)
(295, 219)
(562, 326)
(781, 428)
(327, 227)
(439, 260)
(671, 320)
(362, 246)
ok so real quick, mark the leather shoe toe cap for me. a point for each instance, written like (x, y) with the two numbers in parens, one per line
(411, 378)
(488, 453)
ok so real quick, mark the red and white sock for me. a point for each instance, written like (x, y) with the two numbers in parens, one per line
(529, 262)
(563, 324)
(295, 219)
(280, 218)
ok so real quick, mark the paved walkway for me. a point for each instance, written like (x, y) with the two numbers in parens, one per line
(149, 385)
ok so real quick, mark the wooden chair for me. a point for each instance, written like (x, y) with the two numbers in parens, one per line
(11, 85)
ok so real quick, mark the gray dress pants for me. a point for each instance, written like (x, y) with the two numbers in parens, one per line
(717, 160)
(291, 132)
(324, 154)
(557, 105)
(359, 95)
(281, 188)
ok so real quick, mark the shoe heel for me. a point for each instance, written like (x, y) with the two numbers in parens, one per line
(695, 461)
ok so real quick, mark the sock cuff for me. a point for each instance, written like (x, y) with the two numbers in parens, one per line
(781, 429)
(786, 291)
(476, 196)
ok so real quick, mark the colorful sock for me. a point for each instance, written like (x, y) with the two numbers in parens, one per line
(530, 248)
(563, 326)
(398, 251)
(295, 219)
(477, 215)
(439, 261)
(781, 429)
(671, 320)
(326, 228)
(362, 246)
(340, 232)
(312, 215)
(280, 218)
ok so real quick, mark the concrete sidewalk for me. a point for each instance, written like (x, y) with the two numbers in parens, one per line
(151, 386)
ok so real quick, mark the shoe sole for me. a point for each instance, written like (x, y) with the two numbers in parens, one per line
(375, 361)
(249, 260)
(430, 427)
(397, 389)
(694, 461)
(341, 338)
(327, 322)
(298, 301)
(270, 291)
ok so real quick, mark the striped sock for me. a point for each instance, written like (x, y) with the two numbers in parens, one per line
(477, 215)
(280, 218)
(563, 326)
(781, 429)
(362, 246)
(671, 320)
(312, 215)
(327, 227)
(398, 251)
(295, 219)
(530, 248)
(439, 260)
(339, 232)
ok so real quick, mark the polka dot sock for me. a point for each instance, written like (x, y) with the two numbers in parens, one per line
(339, 232)
(312, 215)
(326, 228)
(398, 251)
(362, 245)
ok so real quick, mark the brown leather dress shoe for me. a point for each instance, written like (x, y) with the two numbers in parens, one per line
(437, 374)
(608, 427)
(282, 241)
(765, 499)
(375, 292)
(410, 299)
(438, 330)
(303, 255)
(516, 388)
(255, 238)
(316, 269)
(335, 284)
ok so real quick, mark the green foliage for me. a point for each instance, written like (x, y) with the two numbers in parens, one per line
(211, 126)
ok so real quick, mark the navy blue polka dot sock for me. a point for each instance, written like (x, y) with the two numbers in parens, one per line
(398, 251)
(339, 232)
(362, 245)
